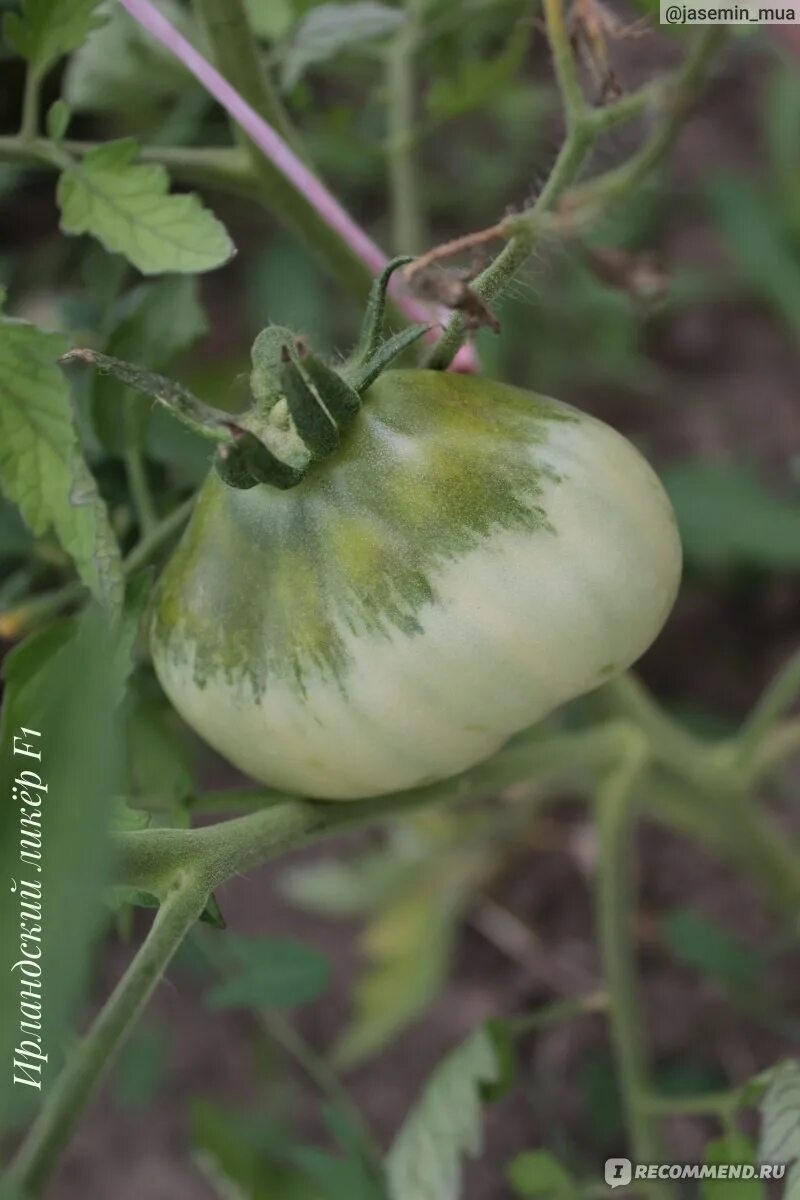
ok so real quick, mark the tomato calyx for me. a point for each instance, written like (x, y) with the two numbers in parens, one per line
(301, 406)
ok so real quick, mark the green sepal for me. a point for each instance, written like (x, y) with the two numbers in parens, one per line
(248, 462)
(311, 418)
(208, 422)
(341, 400)
(372, 328)
(266, 355)
(369, 371)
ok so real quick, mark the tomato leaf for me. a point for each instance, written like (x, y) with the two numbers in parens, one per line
(272, 973)
(424, 1162)
(710, 949)
(329, 29)
(539, 1173)
(120, 65)
(735, 1149)
(67, 683)
(41, 467)
(126, 205)
(780, 1123)
(728, 518)
(48, 29)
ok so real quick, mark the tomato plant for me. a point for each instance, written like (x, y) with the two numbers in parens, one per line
(395, 578)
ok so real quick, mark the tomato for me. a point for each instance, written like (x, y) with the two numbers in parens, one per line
(469, 557)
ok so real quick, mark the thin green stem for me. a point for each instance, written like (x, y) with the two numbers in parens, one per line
(679, 98)
(779, 694)
(90, 1060)
(136, 470)
(713, 1104)
(238, 58)
(29, 125)
(584, 126)
(408, 233)
(146, 859)
(616, 913)
(555, 1013)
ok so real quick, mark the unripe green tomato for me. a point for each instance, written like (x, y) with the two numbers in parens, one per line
(470, 558)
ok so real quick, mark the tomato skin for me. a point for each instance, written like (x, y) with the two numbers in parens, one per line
(469, 559)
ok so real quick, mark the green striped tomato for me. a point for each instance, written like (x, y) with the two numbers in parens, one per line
(471, 557)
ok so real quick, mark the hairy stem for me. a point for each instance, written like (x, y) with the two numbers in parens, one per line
(583, 127)
(90, 1060)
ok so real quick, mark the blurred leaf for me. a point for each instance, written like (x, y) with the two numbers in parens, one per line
(539, 1173)
(15, 540)
(424, 1162)
(57, 120)
(505, 1050)
(736, 1149)
(125, 819)
(601, 1098)
(285, 286)
(120, 66)
(272, 973)
(243, 1157)
(780, 1123)
(270, 19)
(758, 244)
(701, 943)
(782, 136)
(127, 206)
(330, 29)
(727, 517)
(41, 466)
(48, 29)
(159, 772)
(141, 1068)
(475, 81)
(67, 683)
(344, 889)
(409, 943)
(336, 1178)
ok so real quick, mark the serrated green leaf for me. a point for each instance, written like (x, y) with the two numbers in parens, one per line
(734, 1149)
(48, 29)
(539, 1173)
(41, 466)
(728, 518)
(120, 65)
(272, 973)
(780, 1124)
(424, 1162)
(127, 206)
(330, 29)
